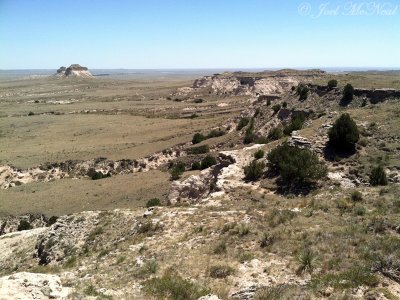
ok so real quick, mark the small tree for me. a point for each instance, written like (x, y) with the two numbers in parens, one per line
(378, 176)
(344, 133)
(296, 165)
(348, 92)
(302, 90)
(177, 170)
(332, 84)
(153, 202)
(254, 170)
(242, 123)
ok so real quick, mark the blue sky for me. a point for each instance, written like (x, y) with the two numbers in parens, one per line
(198, 34)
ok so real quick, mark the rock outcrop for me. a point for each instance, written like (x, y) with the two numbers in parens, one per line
(74, 70)
(27, 286)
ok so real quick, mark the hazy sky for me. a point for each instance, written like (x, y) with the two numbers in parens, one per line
(199, 34)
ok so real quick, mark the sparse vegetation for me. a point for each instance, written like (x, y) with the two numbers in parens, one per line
(242, 123)
(275, 134)
(378, 176)
(307, 261)
(199, 149)
(153, 202)
(302, 91)
(177, 170)
(295, 124)
(276, 108)
(259, 154)
(173, 286)
(254, 170)
(221, 271)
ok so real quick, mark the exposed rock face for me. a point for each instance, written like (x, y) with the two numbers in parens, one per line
(74, 70)
(32, 286)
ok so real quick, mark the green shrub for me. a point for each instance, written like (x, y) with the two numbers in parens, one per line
(220, 248)
(356, 196)
(254, 170)
(359, 210)
(199, 100)
(284, 104)
(275, 134)
(344, 133)
(348, 92)
(259, 154)
(172, 286)
(268, 102)
(295, 124)
(196, 166)
(221, 271)
(249, 138)
(198, 138)
(378, 176)
(307, 261)
(278, 217)
(207, 162)
(153, 202)
(242, 123)
(31, 113)
(266, 240)
(302, 91)
(177, 170)
(52, 220)
(199, 149)
(296, 165)
(276, 108)
(215, 133)
(24, 225)
(257, 112)
(332, 84)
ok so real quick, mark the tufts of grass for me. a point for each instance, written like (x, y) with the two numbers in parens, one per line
(307, 261)
(220, 248)
(172, 286)
(221, 271)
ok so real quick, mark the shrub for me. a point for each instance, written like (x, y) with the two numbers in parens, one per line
(174, 286)
(24, 225)
(199, 149)
(356, 196)
(348, 92)
(31, 113)
(296, 165)
(363, 142)
(332, 84)
(198, 138)
(215, 133)
(275, 134)
(254, 170)
(266, 240)
(295, 124)
(153, 202)
(276, 108)
(99, 175)
(257, 112)
(196, 166)
(177, 170)
(344, 133)
(52, 220)
(259, 154)
(199, 100)
(284, 104)
(242, 123)
(220, 248)
(221, 271)
(268, 102)
(194, 115)
(302, 91)
(208, 161)
(378, 176)
(307, 261)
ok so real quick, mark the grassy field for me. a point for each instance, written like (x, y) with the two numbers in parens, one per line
(49, 120)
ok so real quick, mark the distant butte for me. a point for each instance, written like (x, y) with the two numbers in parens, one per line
(74, 70)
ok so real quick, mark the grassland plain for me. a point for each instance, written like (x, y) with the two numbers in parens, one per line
(222, 234)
